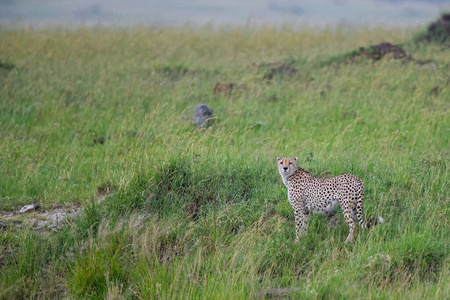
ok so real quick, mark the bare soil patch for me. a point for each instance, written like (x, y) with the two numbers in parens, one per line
(39, 219)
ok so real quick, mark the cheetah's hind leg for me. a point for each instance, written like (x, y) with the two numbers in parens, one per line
(350, 220)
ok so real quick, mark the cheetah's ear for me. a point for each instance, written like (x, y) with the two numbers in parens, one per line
(278, 158)
(296, 158)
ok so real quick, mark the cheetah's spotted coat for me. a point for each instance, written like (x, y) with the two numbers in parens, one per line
(310, 194)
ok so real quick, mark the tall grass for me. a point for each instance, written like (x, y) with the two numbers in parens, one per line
(203, 213)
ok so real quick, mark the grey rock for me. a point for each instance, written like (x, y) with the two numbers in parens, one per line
(29, 207)
(203, 116)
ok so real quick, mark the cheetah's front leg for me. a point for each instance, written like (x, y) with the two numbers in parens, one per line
(301, 222)
(298, 225)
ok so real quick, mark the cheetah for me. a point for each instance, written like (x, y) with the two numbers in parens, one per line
(310, 194)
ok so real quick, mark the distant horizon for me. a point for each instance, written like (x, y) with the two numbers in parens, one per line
(199, 13)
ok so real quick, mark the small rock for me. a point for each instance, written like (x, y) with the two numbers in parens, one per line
(29, 207)
(3, 225)
(203, 116)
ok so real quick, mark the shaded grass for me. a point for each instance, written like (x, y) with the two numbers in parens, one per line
(203, 213)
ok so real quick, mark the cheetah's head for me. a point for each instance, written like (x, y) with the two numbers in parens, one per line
(287, 166)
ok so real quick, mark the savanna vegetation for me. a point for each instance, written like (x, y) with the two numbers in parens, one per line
(103, 119)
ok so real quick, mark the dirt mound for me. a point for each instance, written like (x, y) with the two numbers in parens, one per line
(373, 52)
(377, 52)
(228, 88)
(276, 69)
(280, 69)
(438, 31)
(224, 88)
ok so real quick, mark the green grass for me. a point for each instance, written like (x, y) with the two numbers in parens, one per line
(204, 213)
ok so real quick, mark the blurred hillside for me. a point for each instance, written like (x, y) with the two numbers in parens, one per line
(49, 13)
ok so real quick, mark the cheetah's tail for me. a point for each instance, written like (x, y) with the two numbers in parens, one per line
(374, 221)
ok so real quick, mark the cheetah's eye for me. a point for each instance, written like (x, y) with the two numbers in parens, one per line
(290, 162)
(281, 162)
